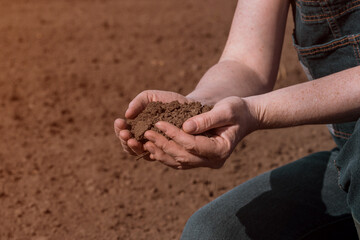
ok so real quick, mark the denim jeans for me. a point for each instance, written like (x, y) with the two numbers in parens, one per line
(318, 196)
(327, 40)
(311, 198)
(301, 200)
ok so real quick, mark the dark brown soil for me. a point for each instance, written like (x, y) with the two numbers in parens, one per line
(173, 112)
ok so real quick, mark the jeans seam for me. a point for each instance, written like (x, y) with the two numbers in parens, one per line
(331, 46)
(340, 136)
(334, 27)
(333, 42)
(320, 17)
(356, 51)
(339, 175)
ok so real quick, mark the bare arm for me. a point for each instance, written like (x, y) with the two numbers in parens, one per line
(331, 99)
(250, 60)
(248, 65)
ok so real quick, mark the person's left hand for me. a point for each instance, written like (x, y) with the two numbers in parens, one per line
(230, 120)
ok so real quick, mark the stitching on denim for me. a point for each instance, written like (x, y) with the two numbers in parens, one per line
(325, 49)
(344, 133)
(337, 15)
(347, 8)
(319, 17)
(338, 170)
(334, 42)
(336, 24)
(346, 41)
(340, 136)
(331, 20)
(356, 51)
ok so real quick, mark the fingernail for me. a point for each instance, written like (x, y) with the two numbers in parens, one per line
(158, 125)
(147, 135)
(189, 126)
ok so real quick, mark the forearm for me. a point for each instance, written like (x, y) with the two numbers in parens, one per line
(331, 99)
(249, 63)
(229, 78)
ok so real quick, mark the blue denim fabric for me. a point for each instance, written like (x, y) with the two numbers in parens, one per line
(300, 200)
(327, 39)
(315, 197)
(357, 224)
(348, 165)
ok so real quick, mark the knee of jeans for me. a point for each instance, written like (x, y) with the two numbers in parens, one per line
(210, 223)
(197, 226)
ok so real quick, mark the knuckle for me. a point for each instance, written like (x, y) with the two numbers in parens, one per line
(181, 159)
(171, 133)
(204, 121)
(167, 144)
(190, 147)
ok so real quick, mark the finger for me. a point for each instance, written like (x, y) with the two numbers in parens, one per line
(124, 136)
(169, 147)
(137, 105)
(119, 124)
(135, 146)
(198, 145)
(159, 155)
(219, 116)
(177, 152)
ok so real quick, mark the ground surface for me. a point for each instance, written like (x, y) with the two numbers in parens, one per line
(67, 70)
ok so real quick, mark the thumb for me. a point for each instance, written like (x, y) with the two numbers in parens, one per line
(138, 104)
(206, 121)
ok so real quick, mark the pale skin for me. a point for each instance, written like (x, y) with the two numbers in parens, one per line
(240, 88)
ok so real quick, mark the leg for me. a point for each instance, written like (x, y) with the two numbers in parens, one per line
(298, 201)
(348, 164)
(357, 225)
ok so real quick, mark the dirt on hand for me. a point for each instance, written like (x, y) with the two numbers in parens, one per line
(173, 112)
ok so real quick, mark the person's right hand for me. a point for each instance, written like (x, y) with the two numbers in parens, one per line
(136, 106)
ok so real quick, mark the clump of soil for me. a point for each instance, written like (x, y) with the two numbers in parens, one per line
(173, 112)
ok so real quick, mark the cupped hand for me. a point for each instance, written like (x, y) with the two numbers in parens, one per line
(230, 120)
(136, 106)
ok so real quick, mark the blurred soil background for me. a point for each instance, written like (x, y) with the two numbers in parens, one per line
(67, 70)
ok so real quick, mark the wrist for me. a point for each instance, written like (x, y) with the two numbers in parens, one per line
(256, 113)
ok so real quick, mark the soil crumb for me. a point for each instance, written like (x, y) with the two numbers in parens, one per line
(173, 112)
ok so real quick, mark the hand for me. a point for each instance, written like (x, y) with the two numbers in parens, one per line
(128, 143)
(229, 121)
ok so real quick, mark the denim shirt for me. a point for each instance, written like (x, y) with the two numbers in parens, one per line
(327, 40)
